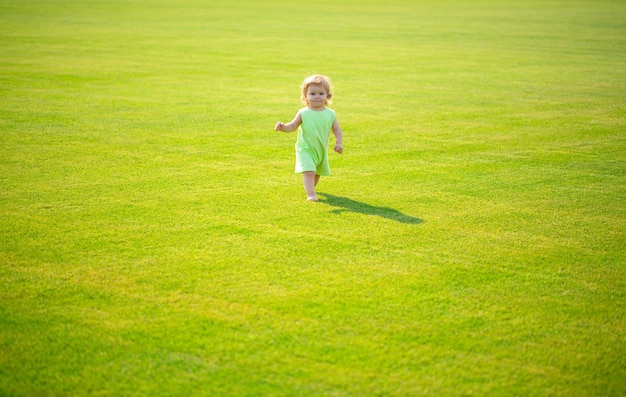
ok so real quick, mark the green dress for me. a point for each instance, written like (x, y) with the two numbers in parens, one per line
(312, 143)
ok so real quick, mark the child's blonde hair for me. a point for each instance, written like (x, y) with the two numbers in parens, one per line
(317, 79)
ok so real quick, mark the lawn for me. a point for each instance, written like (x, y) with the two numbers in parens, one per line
(155, 241)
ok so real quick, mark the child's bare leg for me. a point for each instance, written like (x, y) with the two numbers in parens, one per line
(310, 180)
(317, 179)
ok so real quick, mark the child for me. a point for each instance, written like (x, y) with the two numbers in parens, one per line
(314, 123)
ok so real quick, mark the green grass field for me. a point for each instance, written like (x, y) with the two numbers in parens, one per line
(155, 241)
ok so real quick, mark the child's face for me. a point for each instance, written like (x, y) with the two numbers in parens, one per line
(316, 96)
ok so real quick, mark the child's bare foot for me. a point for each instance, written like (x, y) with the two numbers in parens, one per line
(312, 198)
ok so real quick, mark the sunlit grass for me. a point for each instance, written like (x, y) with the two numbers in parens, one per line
(155, 241)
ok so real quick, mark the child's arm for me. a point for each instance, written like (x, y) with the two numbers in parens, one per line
(291, 126)
(338, 137)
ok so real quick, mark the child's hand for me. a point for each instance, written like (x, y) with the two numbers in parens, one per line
(279, 126)
(338, 148)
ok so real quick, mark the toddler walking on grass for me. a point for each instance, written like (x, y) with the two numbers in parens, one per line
(314, 123)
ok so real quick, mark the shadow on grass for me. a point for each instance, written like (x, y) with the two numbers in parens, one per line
(345, 204)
